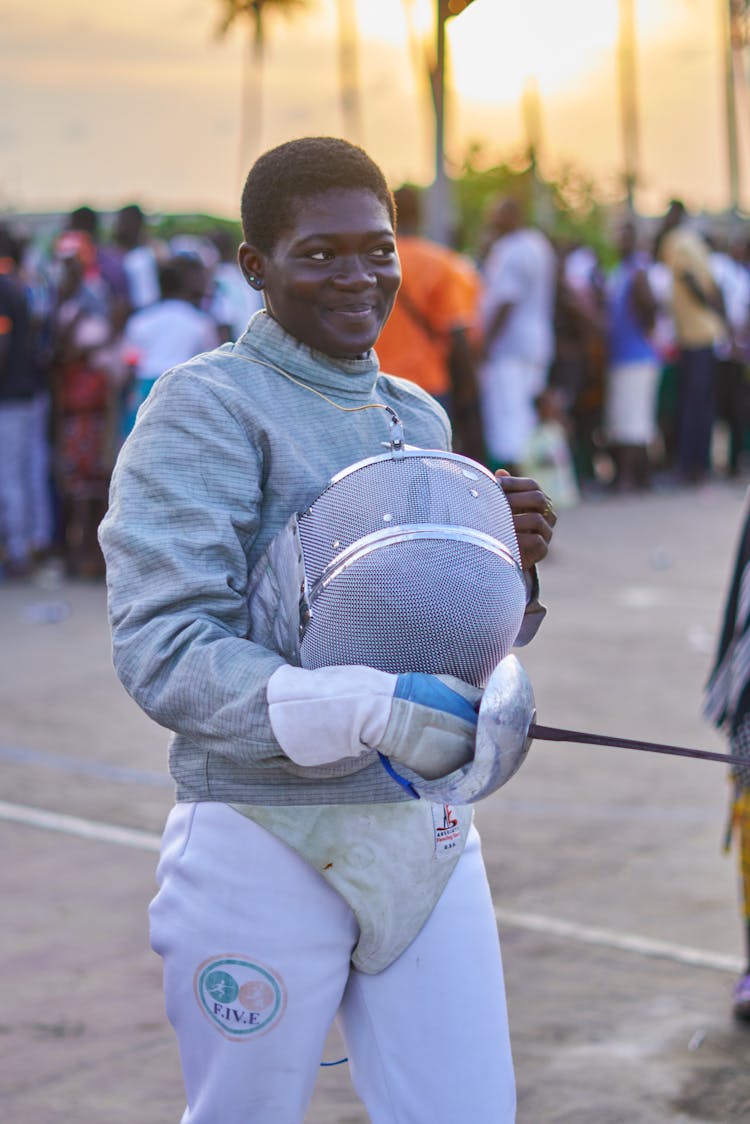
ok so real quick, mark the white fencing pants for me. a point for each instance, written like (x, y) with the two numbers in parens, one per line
(256, 948)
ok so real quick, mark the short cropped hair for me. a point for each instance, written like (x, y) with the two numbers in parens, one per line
(85, 219)
(408, 205)
(132, 211)
(299, 169)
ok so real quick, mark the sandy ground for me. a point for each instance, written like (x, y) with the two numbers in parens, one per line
(617, 909)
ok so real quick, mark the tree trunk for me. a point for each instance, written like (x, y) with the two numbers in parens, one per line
(251, 105)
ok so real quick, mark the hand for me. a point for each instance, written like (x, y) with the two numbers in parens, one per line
(324, 715)
(533, 516)
(432, 725)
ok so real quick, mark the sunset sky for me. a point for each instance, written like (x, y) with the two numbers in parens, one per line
(107, 103)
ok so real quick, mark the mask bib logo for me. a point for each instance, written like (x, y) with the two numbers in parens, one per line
(447, 830)
(241, 998)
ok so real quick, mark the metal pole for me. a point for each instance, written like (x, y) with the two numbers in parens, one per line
(531, 112)
(351, 108)
(729, 15)
(439, 213)
(628, 100)
(437, 197)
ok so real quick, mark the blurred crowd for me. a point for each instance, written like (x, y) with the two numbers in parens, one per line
(587, 376)
(87, 324)
(591, 375)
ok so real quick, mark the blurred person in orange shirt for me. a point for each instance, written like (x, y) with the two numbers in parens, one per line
(428, 337)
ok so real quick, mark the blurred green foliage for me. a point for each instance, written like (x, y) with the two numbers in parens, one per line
(568, 208)
(170, 226)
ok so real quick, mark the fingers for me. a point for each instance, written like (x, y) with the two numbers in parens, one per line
(534, 533)
(548, 511)
(533, 550)
(532, 525)
(516, 483)
(525, 495)
(534, 517)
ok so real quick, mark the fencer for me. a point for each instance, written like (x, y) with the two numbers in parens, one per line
(320, 861)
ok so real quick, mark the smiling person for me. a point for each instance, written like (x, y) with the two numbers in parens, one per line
(299, 880)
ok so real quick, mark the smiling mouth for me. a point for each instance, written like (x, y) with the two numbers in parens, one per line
(353, 311)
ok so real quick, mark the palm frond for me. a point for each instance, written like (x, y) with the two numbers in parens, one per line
(254, 12)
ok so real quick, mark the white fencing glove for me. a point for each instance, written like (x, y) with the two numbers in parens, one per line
(326, 715)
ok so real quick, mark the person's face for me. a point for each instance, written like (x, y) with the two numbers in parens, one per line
(627, 241)
(70, 277)
(332, 277)
(127, 229)
(195, 283)
(504, 217)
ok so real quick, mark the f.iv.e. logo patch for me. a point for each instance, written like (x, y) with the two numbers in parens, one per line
(240, 997)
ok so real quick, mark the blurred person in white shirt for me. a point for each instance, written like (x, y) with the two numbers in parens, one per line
(167, 333)
(517, 316)
(233, 301)
(139, 258)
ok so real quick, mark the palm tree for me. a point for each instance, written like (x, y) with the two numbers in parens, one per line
(737, 40)
(351, 107)
(628, 99)
(438, 200)
(252, 15)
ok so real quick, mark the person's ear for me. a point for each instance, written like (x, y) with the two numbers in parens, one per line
(250, 261)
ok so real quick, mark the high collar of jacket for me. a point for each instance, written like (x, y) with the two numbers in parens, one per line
(265, 340)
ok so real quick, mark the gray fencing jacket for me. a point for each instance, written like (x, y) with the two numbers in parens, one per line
(226, 448)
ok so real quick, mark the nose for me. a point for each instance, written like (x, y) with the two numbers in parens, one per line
(354, 272)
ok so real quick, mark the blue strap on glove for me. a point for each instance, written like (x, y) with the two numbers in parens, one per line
(428, 690)
(424, 725)
(432, 728)
(397, 777)
(425, 743)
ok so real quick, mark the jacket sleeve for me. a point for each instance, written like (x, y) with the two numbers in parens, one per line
(535, 611)
(184, 508)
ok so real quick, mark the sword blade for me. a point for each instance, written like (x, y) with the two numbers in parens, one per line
(554, 734)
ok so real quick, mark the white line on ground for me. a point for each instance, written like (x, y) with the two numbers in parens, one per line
(84, 829)
(625, 942)
(533, 922)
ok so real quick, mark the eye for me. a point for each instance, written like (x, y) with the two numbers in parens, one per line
(383, 252)
(320, 255)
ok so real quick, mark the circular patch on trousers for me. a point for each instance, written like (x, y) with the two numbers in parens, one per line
(240, 997)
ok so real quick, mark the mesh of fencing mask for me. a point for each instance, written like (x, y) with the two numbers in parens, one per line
(411, 563)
